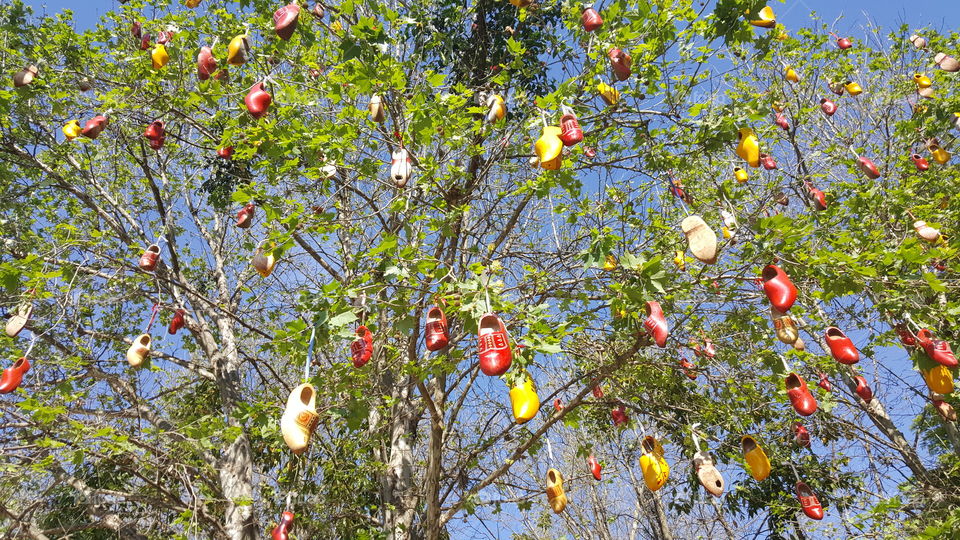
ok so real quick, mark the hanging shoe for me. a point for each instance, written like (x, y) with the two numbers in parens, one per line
(656, 324)
(868, 168)
(836, 88)
(494, 346)
(621, 63)
(784, 326)
(238, 51)
(926, 232)
(590, 19)
(148, 261)
(376, 109)
(778, 287)
(177, 322)
(801, 436)
(257, 101)
(943, 408)
(94, 126)
(852, 88)
(700, 238)
(18, 321)
(285, 20)
(282, 530)
(25, 76)
(800, 397)
(496, 109)
(264, 261)
(435, 330)
(906, 336)
(549, 147)
(809, 502)
(524, 400)
(570, 131)
(791, 75)
(362, 348)
(748, 147)
(841, 347)
(598, 392)
(862, 389)
(819, 198)
(245, 216)
(155, 133)
(13, 375)
(946, 63)
(594, 467)
(401, 167)
(689, 369)
(920, 162)
(654, 466)
(764, 18)
(300, 418)
(707, 473)
(555, 495)
(918, 41)
(619, 416)
(206, 63)
(824, 382)
(768, 162)
(558, 405)
(740, 175)
(937, 349)
(609, 94)
(71, 130)
(828, 107)
(758, 465)
(940, 155)
(844, 43)
(159, 56)
(139, 350)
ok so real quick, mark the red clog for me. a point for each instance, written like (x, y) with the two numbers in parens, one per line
(768, 162)
(801, 436)
(362, 348)
(570, 132)
(906, 336)
(13, 375)
(225, 153)
(148, 261)
(781, 121)
(619, 416)
(780, 290)
(590, 19)
(156, 134)
(818, 197)
(937, 349)
(557, 405)
(257, 101)
(844, 43)
(144, 42)
(94, 126)
(177, 322)
(206, 63)
(621, 62)
(688, 369)
(282, 530)
(136, 29)
(594, 466)
(862, 389)
(436, 329)
(164, 37)
(656, 324)
(825, 382)
(800, 397)
(842, 349)
(494, 346)
(285, 20)
(828, 106)
(868, 168)
(920, 162)
(809, 502)
(245, 216)
(598, 392)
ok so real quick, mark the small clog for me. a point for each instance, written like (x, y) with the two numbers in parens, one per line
(836, 87)
(801, 435)
(809, 502)
(748, 147)
(841, 347)
(94, 126)
(494, 346)
(245, 216)
(206, 63)
(300, 418)
(361, 350)
(920, 162)
(590, 19)
(435, 329)
(700, 238)
(282, 530)
(707, 473)
(852, 88)
(496, 109)
(13, 375)
(800, 397)
(285, 20)
(555, 495)
(906, 336)
(238, 51)
(656, 323)
(18, 321)
(257, 101)
(594, 467)
(791, 75)
(621, 63)
(264, 260)
(609, 94)
(652, 463)
(828, 106)
(376, 109)
(764, 18)
(159, 56)
(401, 167)
(784, 326)
(863, 389)
(619, 416)
(177, 321)
(25, 76)
(71, 130)
(918, 41)
(778, 288)
(940, 155)
(758, 465)
(868, 168)
(148, 261)
(689, 369)
(139, 350)
(740, 175)
(768, 162)
(824, 382)
(524, 400)
(926, 232)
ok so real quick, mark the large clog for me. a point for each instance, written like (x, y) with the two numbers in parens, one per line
(494, 346)
(809, 502)
(937, 349)
(524, 400)
(707, 473)
(549, 147)
(700, 238)
(13, 375)
(300, 418)
(748, 147)
(285, 20)
(758, 465)
(841, 347)
(652, 463)
(800, 397)
(590, 19)
(435, 329)
(139, 350)
(778, 288)
(656, 323)
(555, 495)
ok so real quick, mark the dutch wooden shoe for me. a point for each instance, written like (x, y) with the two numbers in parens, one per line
(257, 101)
(555, 495)
(285, 20)
(656, 324)
(570, 131)
(920, 162)
(938, 377)
(25, 76)
(926, 232)
(401, 167)
(494, 346)
(824, 382)
(621, 63)
(148, 261)
(549, 147)
(13, 375)
(619, 416)
(206, 63)
(245, 216)
(159, 57)
(800, 397)
(868, 168)
(707, 473)
(764, 18)
(71, 130)
(94, 126)
(238, 51)
(524, 400)
(139, 350)
(862, 389)
(758, 465)
(590, 19)
(809, 502)
(18, 321)
(841, 347)
(263, 260)
(177, 321)
(361, 350)
(946, 63)
(828, 107)
(778, 288)
(594, 467)
(748, 147)
(496, 108)
(852, 88)
(700, 238)
(768, 162)
(376, 109)
(784, 326)
(300, 418)
(435, 329)
(801, 436)
(282, 530)
(652, 463)
(937, 349)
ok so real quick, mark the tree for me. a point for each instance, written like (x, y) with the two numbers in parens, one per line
(419, 443)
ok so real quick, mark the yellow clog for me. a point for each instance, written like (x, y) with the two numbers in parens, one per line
(765, 18)
(654, 466)
(939, 379)
(609, 94)
(740, 174)
(555, 494)
(159, 56)
(71, 130)
(758, 465)
(792, 75)
(852, 88)
(238, 51)
(524, 399)
(748, 147)
(548, 148)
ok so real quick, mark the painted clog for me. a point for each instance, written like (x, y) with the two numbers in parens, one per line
(920, 162)
(401, 167)
(758, 465)
(238, 51)
(652, 463)
(619, 416)
(768, 162)
(863, 389)
(555, 495)
(841, 347)
(206, 63)
(264, 260)
(764, 18)
(918, 41)
(937, 350)
(609, 94)
(868, 168)
(524, 400)
(836, 87)
(494, 346)
(71, 130)
(548, 148)
(748, 147)
(139, 350)
(376, 109)
(801, 435)
(156, 133)
(94, 126)
(656, 323)
(740, 175)
(570, 131)
(778, 288)
(177, 321)
(791, 75)
(940, 155)
(13, 375)
(621, 63)
(707, 473)
(800, 397)
(245, 216)
(300, 418)
(361, 350)
(824, 382)
(809, 502)
(828, 107)
(18, 321)
(496, 109)
(590, 19)
(150, 258)
(701, 239)
(285, 20)
(257, 101)
(435, 329)
(25, 76)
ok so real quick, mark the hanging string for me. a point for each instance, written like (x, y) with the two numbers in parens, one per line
(33, 341)
(306, 366)
(153, 317)
(696, 438)
(549, 452)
